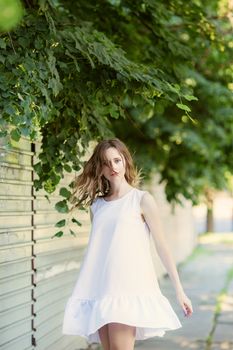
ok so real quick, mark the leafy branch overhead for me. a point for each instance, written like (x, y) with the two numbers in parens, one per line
(152, 73)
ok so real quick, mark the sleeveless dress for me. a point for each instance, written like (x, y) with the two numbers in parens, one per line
(117, 280)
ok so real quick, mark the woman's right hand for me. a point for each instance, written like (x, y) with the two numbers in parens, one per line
(185, 303)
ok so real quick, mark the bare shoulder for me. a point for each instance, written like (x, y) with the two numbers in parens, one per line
(148, 202)
(147, 196)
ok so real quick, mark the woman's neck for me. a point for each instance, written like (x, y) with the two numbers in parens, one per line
(118, 190)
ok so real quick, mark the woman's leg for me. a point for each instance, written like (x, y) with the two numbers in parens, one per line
(103, 334)
(121, 336)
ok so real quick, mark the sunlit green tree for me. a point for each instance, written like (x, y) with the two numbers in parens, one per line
(155, 74)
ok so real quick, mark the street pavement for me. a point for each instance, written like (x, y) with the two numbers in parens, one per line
(207, 278)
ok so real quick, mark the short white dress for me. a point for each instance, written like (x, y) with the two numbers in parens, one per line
(117, 280)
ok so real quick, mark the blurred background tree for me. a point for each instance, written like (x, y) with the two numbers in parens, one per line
(156, 74)
(11, 12)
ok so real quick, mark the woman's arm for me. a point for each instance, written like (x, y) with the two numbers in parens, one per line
(151, 215)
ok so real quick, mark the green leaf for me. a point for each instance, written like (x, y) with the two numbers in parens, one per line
(60, 223)
(55, 178)
(62, 207)
(190, 98)
(58, 234)
(2, 59)
(15, 135)
(183, 107)
(3, 133)
(25, 131)
(177, 87)
(47, 197)
(59, 168)
(49, 186)
(72, 184)
(67, 168)
(37, 184)
(2, 44)
(76, 222)
(76, 167)
(37, 167)
(72, 233)
(65, 193)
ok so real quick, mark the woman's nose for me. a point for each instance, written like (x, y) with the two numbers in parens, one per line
(113, 166)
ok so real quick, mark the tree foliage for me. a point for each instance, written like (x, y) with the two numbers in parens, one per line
(155, 74)
(193, 157)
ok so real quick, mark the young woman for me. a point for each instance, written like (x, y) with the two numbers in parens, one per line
(117, 298)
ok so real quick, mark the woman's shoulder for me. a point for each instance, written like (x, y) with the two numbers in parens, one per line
(148, 200)
(95, 203)
(95, 199)
(144, 196)
(141, 193)
(141, 196)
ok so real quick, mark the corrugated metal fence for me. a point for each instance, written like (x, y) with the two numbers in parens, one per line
(37, 273)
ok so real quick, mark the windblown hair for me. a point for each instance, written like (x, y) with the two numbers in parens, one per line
(91, 184)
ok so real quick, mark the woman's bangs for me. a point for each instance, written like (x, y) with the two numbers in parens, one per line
(103, 158)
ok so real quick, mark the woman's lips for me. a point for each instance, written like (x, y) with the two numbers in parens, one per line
(114, 173)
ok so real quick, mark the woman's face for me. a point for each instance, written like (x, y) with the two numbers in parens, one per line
(114, 167)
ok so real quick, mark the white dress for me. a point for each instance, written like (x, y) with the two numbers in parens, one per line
(117, 281)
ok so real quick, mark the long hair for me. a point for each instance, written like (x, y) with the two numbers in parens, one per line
(91, 184)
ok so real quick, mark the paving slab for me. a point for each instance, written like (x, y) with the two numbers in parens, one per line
(230, 288)
(171, 344)
(223, 332)
(222, 346)
(226, 315)
(226, 318)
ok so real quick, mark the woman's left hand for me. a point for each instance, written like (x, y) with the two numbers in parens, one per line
(185, 303)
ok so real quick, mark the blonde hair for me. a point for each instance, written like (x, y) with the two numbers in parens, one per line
(91, 184)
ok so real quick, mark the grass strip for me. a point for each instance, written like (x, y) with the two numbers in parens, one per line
(218, 307)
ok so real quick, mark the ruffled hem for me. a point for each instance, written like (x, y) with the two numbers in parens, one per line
(152, 315)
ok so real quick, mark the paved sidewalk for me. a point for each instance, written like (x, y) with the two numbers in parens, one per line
(207, 278)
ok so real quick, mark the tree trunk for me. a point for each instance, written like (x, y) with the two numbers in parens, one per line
(210, 220)
(210, 215)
